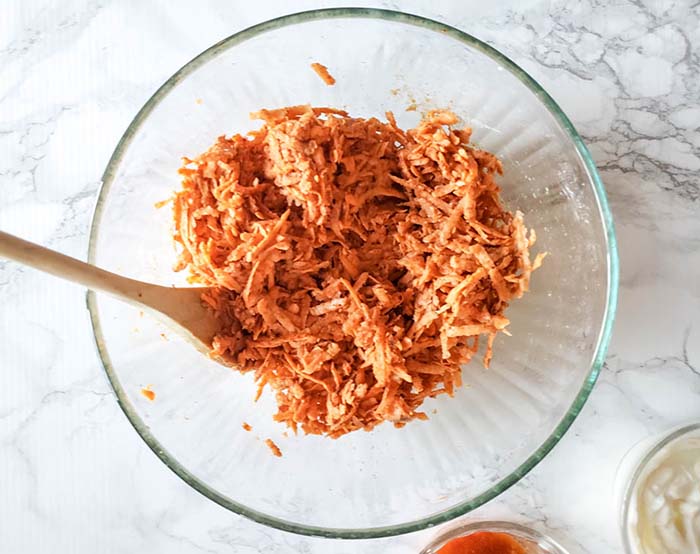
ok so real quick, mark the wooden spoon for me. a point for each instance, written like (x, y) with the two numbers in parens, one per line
(180, 308)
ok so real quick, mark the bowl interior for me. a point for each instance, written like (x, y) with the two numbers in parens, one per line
(474, 444)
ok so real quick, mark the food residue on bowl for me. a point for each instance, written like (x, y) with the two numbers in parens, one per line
(273, 447)
(353, 266)
(664, 515)
(148, 393)
(161, 203)
(246, 426)
(322, 71)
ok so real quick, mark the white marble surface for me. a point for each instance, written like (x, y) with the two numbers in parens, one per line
(76, 478)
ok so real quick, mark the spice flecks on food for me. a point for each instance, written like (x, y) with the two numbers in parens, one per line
(353, 266)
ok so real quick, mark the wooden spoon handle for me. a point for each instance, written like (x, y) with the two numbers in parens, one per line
(71, 269)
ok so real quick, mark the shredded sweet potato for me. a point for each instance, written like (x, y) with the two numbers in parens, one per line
(353, 266)
(322, 71)
(273, 447)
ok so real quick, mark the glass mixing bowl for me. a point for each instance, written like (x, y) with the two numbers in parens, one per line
(502, 422)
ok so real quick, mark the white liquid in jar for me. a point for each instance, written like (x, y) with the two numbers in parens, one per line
(665, 509)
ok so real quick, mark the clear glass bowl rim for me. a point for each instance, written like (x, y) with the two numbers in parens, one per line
(639, 468)
(603, 340)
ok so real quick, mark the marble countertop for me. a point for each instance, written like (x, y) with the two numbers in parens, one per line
(76, 478)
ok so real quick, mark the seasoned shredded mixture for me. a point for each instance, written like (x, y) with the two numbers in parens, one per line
(353, 266)
(322, 71)
(273, 448)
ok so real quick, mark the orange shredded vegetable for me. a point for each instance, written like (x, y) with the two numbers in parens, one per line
(322, 71)
(273, 448)
(352, 265)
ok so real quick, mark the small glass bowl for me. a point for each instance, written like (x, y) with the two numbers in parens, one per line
(533, 541)
(634, 467)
